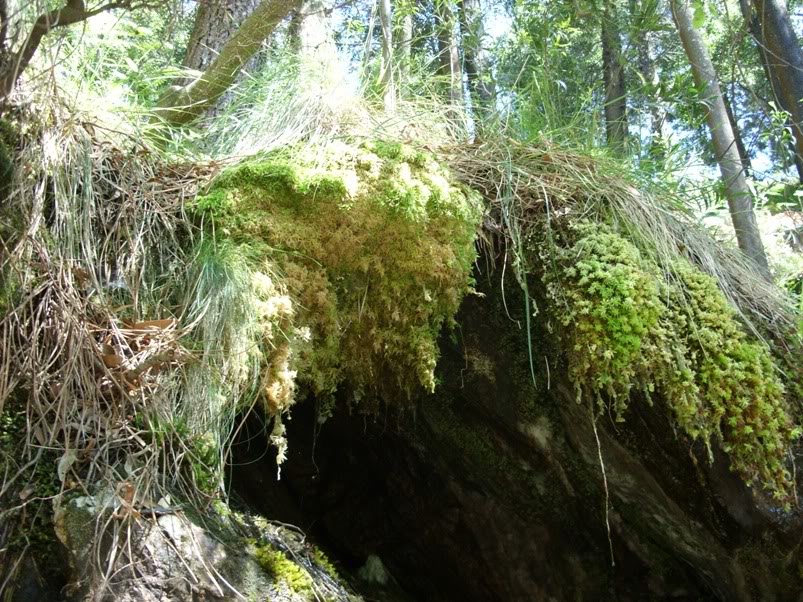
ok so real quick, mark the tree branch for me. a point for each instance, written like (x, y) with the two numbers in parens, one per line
(74, 11)
(181, 104)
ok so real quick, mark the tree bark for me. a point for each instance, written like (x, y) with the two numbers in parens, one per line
(730, 164)
(782, 58)
(215, 22)
(386, 76)
(480, 80)
(405, 45)
(448, 53)
(614, 80)
(181, 104)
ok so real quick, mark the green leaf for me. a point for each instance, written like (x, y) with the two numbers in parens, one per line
(699, 15)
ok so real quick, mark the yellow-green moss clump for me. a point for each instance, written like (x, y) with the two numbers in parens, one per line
(374, 247)
(283, 569)
(627, 324)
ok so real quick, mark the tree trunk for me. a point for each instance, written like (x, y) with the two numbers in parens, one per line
(405, 46)
(775, 85)
(782, 59)
(646, 65)
(215, 22)
(730, 164)
(386, 75)
(313, 30)
(614, 80)
(480, 80)
(181, 104)
(313, 39)
(448, 54)
(737, 134)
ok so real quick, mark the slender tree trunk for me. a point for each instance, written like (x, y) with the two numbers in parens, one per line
(737, 134)
(646, 65)
(313, 38)
(405, 45)
(782, 58)
(730, 165)
(478, 73)
(448, 53)
(181, 104)
(614, 80)
(386, 76)
(312, 30)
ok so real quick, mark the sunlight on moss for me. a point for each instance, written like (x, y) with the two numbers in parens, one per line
(627, 325)
(282, 568)
(374, 246)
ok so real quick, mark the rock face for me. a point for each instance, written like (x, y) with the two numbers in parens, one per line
(173, 558)
(493, 489)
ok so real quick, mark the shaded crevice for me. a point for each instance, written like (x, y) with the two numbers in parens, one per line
(491, 489)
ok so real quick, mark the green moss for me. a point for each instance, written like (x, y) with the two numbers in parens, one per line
(282, 568)
(395, 151)
(626, 324)
(322, 560)
(375, 248)
(735, 391)
(613, 302)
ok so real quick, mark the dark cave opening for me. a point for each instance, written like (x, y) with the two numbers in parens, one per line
(358, 487)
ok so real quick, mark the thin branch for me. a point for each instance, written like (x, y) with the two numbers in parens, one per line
(74, 11)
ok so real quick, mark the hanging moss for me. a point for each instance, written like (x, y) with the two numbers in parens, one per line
(626, 324)
(613, 304)
(374, 246)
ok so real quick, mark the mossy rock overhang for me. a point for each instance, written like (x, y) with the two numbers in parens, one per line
(374, 243)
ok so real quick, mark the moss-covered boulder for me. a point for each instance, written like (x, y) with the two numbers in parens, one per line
(502, 487)
(373, 245)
